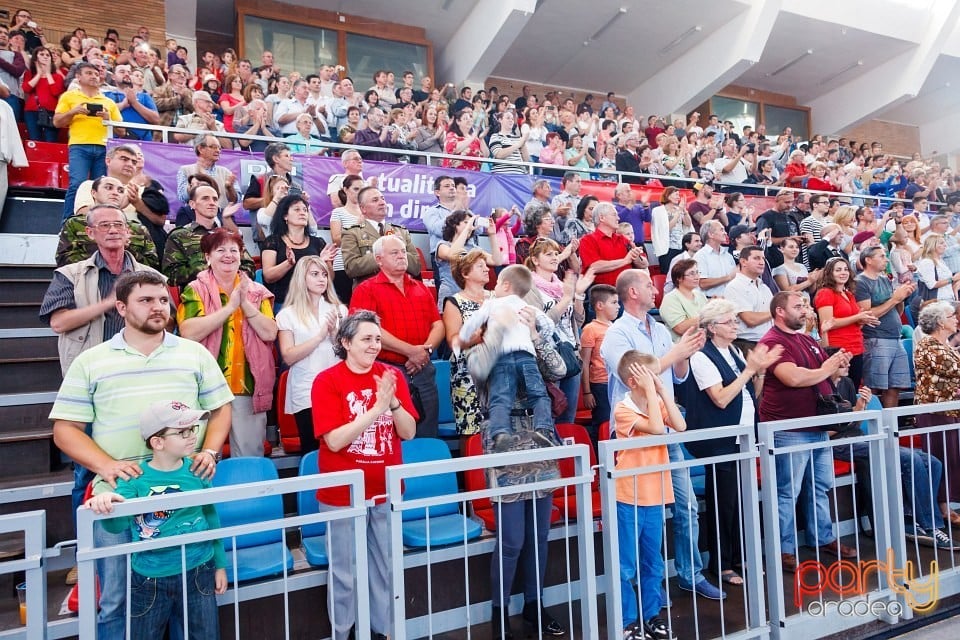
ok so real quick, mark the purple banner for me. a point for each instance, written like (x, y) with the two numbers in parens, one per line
(408, 188)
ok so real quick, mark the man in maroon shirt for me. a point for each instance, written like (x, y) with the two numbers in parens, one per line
(605, 250)
(411, 327)
(790, 391)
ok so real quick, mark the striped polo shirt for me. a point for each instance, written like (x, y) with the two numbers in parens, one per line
(112, 383)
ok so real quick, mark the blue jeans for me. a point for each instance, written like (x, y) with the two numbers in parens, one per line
(811, 471)
(920, 475)
(515, 542)
(505, 378)
(87, 162)
(81, 478)
(112, 573)
(155, 602)
(36, 132)
(686, 524)
(17, 105)
(640, 534)
(601, 411)
(571, 389)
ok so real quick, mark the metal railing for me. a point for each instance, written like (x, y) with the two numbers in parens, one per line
(838, 593)
(580, 585)
(88, 553)
(743, 465)
(843, 593)
(530, 168)
(34, 610)
(940, 439)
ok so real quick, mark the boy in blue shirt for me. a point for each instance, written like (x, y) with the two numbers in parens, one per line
(157, 577)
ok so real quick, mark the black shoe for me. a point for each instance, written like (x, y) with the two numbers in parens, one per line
(498, 632)
(546, 438)
(657, 629)
(504, 442)
(551, 627)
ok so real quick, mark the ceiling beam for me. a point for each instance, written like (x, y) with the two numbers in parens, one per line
(702, 70)
(482, 40)
(890, 84)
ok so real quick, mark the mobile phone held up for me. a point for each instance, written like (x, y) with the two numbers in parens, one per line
(94, 108)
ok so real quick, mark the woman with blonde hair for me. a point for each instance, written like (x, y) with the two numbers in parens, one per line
(846, 218)
(933, 272)
(306, 327)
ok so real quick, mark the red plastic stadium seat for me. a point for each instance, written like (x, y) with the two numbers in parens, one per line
(841, 468)
(565, 498)
(476, 480)
(659, 281)
(38, 174)
(289, 435)
(583, 416)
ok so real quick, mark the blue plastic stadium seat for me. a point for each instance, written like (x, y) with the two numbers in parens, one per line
(446, 524)
(447, 427)
(313, 537)
(908, 347)
(259, 554)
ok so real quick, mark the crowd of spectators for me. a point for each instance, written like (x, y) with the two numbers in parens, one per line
(824, 270)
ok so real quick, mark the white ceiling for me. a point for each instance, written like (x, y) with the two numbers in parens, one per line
(550, 47)
(834, 47)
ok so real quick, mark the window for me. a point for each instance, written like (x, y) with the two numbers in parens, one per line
(777, 118)
(366, 55)
(295, 47)
(740, 112)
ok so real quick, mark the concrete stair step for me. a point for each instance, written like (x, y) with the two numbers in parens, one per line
(31, 376)
(22, 290)
(18, 315)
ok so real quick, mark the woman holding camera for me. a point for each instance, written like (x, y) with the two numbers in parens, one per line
(458, 237)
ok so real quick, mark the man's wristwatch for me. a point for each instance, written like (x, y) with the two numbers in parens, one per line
(216, 455)
(428, 349)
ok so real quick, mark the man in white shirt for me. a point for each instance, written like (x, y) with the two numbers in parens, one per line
(287, 111)
(714, 262)
(751, 299)
(731, 167)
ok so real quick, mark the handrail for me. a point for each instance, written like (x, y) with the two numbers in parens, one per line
(529, 167)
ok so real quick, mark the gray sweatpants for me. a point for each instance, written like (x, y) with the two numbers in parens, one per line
(341, 588)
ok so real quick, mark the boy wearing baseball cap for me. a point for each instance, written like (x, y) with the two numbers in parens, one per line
(157, 577)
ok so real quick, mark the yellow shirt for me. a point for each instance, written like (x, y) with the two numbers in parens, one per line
(84, 128)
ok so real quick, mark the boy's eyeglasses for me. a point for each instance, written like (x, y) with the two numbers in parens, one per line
(186, 433)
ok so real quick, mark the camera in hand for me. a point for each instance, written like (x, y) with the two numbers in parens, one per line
(751, 147)
(93, 108)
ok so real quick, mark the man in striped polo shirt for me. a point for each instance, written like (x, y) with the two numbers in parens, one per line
(107, 386)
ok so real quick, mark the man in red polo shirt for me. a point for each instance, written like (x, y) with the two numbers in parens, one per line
(410, 324)
(608, 252)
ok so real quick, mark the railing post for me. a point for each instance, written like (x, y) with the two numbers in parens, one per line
(753, 552)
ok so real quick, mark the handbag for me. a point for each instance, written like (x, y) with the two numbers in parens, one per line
(558, 399)
(45, 118)
(569, 355)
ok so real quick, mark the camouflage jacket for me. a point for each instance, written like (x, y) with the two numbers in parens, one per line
(183, 260)
(356, 247)
(75, 245)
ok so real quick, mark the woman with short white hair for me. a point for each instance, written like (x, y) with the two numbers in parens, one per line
(724, 393)
(937, 365)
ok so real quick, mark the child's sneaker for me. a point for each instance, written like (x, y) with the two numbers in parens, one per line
(634, 631)
(546, 437)
(657, 629)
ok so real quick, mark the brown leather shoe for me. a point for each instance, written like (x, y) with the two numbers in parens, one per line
(789, 562)
(832, 548)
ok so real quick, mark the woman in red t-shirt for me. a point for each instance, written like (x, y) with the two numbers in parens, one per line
(840, 315)
(361, 411)
(463, 140)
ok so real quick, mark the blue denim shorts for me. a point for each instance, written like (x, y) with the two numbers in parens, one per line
(885, 364)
